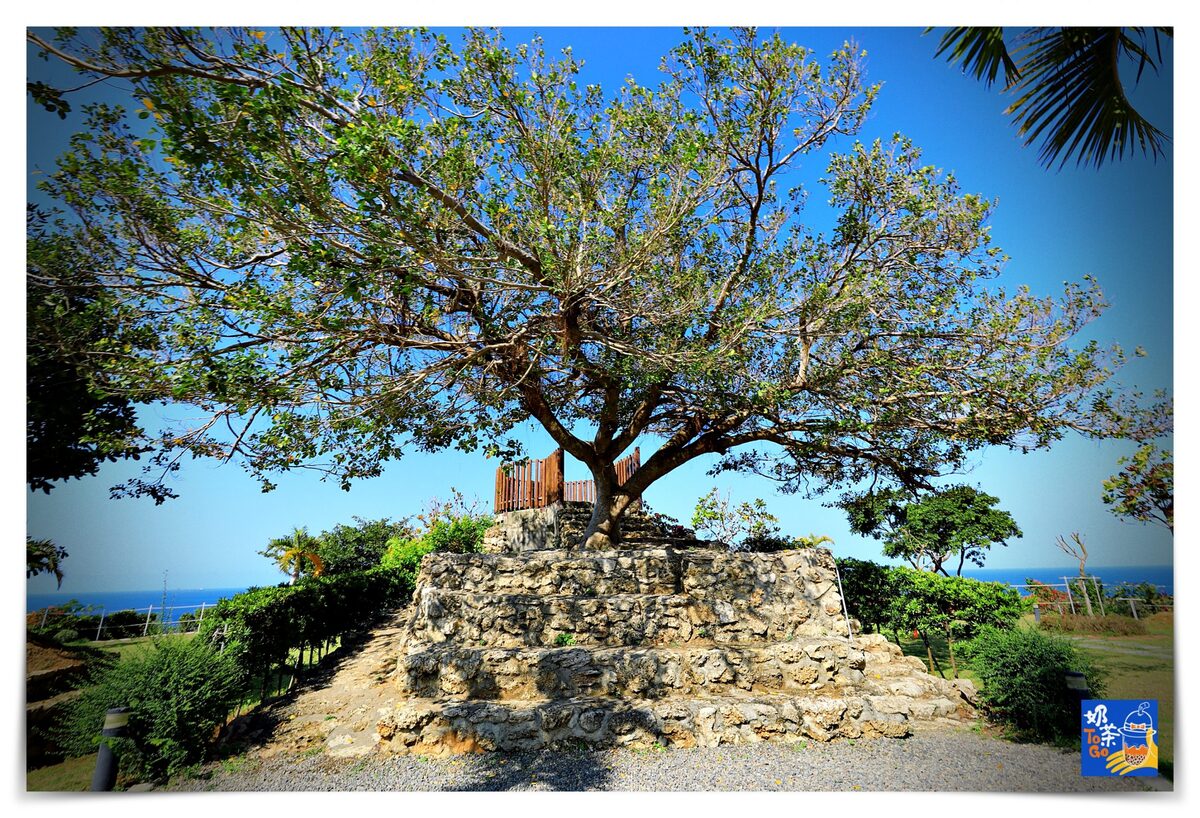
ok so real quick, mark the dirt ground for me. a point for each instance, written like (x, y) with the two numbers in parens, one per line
(336, 707)
(40, 658)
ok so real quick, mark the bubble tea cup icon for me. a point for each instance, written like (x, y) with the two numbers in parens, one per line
(1139, 726)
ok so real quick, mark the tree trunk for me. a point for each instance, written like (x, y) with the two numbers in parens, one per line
(933, 662)
(604, 529)
(950, 647)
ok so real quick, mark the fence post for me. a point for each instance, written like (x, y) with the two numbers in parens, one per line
(1099, 595)
(100, 627)
(557, 484)
(45, 615)
(146, 627)
(1070, 598)
(1133, 608)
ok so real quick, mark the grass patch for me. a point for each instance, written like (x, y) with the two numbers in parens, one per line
(1142, 667)
(1110, 625)
(70, 775)
(122, 648)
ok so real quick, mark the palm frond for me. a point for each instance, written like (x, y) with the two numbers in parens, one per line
(981, 51)
(1072, 93)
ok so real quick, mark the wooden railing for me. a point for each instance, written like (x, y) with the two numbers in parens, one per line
(538, 483)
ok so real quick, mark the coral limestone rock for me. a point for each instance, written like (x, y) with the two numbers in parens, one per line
(668, 639)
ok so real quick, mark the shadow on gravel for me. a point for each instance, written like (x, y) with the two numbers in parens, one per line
(564, 770)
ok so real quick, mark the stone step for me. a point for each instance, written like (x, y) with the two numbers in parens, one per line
(578, 573)
(449, 671)
(629, 542)
(823, 664)
(562, 526)
(763, 578)
(527, 620)
(431, 727)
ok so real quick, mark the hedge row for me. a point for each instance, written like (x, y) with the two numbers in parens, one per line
(262, 625)
(897, 598)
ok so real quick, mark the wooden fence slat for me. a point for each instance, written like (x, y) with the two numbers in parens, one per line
(539, 483)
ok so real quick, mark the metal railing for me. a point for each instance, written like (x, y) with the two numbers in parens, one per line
(1065, 597)
(99, 624)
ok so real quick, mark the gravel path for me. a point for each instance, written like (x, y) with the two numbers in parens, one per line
(933, 760)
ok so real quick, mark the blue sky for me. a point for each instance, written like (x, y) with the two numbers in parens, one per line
(1115, 224)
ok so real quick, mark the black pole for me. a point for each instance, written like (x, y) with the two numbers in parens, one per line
(105, 776)
(1077, 690)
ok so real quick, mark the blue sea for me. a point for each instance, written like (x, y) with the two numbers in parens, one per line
(1161, 576)
(180, 601)
(189, 600)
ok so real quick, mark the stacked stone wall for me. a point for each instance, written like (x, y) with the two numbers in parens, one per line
(662, 640)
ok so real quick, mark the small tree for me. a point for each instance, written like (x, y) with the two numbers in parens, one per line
(959, 522)
(1145, 489)
(296, 554)
(958, 607)
(717, 517)
(1076, 548)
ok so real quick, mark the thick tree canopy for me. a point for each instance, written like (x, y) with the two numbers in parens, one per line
(77, 414)
(354, 242)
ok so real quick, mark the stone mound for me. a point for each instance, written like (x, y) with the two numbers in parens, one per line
(668, 639)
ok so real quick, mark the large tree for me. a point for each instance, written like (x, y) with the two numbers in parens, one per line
(355, 242)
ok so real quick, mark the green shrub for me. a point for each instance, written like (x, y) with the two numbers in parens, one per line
(179, 692)
(405, 556)
(1022, 671)
(460, 535)
(770, 543)
(866, 586)
(903, 599)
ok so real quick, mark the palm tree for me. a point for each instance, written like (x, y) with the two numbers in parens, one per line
(294, 552)
(1069, 86)
(44, 557)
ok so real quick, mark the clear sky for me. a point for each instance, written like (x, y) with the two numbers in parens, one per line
(1115, 224)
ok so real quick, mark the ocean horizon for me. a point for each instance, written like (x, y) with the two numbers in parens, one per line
(1160, 576)
(179, 601)
(187, 600)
